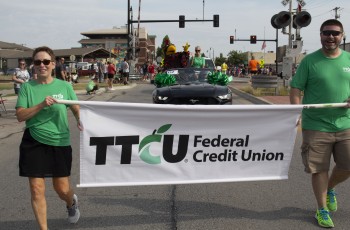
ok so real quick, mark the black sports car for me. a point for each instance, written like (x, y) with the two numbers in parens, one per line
(190, 86)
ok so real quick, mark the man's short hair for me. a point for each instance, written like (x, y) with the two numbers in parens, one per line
(332, 22)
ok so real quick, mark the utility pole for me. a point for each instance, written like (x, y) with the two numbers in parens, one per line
(336, 12)
(290, 26)
(203, 9)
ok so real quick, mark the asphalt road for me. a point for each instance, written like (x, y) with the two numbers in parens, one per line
(285, 204)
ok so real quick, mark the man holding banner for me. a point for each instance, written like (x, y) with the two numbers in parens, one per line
(324, 77)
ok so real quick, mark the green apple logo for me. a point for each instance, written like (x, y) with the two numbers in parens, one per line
(145, 144)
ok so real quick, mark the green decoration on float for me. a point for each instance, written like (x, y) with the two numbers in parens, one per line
(218, 78)
(163, 79)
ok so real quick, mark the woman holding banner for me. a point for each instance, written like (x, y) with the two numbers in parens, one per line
(45, 150)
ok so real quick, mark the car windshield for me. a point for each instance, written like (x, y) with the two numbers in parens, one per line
(189, 75)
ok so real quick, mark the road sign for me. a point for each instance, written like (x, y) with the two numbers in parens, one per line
(109, 45)
(72, 57)
(301, 2)
(285, 2)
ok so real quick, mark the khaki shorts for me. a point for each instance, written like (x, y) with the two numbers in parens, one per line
(318, 147)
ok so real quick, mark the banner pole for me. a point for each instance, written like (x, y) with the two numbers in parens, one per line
(306, 106)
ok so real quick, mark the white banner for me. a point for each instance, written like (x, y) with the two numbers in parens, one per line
(145, 144)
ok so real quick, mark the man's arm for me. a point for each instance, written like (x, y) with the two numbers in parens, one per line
(295, 96)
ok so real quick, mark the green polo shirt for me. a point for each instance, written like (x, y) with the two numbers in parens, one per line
(324, 80)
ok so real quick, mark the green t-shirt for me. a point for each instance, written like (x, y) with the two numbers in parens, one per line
(90, 86)
(324, 80)
(198, 62)
(50, 125)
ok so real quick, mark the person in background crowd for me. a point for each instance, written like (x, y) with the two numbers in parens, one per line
(32, 72)
(197, 60)
(145, 71)
(151, 71)
(322, 77)
(60, 69)
(111, 72)
(92, 86)
(20, 76)
(45, 149)
(125, 68)
(253, 66)
(99, 71)
(105, 71)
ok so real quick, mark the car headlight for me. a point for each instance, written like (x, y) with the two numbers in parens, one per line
(225, 96)
(162, 98)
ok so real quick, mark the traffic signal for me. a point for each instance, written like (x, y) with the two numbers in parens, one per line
(182, 21)
(232, 39)
(252, 39)
(216, 20)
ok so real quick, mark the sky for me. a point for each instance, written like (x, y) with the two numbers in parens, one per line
(58, 23)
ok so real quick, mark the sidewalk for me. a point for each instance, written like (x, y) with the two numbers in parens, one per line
(10, 101)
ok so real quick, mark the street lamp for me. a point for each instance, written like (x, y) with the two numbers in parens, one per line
(213, 53)
(208, 53)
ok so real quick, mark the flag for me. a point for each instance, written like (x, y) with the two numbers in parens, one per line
(263, 45)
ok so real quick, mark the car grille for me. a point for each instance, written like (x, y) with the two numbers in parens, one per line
(194, 101)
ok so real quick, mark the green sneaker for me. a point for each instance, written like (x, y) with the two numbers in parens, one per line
(331, 200)
(323, 218)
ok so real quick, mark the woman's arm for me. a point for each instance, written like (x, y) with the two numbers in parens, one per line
(76, 112)
(24, 114)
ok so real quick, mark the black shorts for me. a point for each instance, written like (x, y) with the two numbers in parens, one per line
(41, 160)
(110, 75)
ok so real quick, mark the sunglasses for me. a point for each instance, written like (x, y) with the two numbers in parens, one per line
(198, 51)
(334, 33)
(45, 62)
(22, 63)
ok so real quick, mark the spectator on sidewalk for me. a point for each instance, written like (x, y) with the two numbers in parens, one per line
(60, 69)
(125, 69)
(92, 86)
(253, 66)
(20, 76)
(111, 73)
(151, 71)
(145, 71)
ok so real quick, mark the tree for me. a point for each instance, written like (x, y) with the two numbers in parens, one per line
(220, 60)
(236, 58)
(159, 52)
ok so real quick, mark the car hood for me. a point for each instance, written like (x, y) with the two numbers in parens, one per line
(193, 90)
